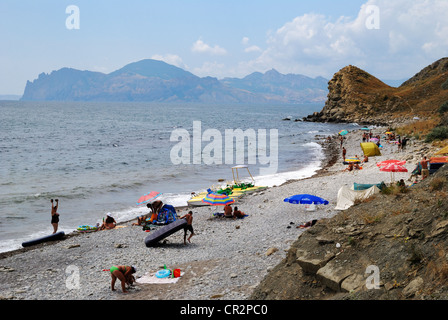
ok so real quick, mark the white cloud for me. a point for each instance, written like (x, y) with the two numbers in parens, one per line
(173, 59)
(252, 49)
(201, 47)
(411, 35)
(249, 48)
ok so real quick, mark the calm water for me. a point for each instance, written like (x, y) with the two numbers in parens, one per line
(101, 157)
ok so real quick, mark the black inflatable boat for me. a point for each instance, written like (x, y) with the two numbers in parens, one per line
(55, 236)
(164, 232)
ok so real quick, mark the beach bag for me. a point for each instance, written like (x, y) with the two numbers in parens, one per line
(167, 214)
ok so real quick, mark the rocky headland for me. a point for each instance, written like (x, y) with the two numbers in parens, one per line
(357, 96)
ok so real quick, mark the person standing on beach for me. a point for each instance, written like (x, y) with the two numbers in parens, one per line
(425, 171)
(344, 152)
(54, 215)
(403, 143)
(155, 207)
(189, 226)
(124, 274)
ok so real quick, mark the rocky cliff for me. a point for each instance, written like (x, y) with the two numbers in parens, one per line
(357, 96)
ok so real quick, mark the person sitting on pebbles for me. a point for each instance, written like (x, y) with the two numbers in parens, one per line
(350, 167)
(238, 214)
(140, 220)
(228, 211)
(110, 222)
(124, 274)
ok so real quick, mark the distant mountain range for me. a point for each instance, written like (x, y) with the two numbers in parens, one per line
(156, 81)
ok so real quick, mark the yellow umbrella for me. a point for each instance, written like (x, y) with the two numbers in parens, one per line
(442, 151)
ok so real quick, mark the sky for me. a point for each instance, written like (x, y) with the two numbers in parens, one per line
(391, 39)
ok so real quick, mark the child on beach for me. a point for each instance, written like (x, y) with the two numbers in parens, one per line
(124, 274)
(140, 220)
(54, 215)
(189, 227)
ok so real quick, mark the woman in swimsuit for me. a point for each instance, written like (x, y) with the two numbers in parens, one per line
(124, 274)
(54, 215)
(110, 222)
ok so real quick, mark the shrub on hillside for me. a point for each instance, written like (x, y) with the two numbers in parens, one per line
(443, 108)
(438, 133)
(445, 85)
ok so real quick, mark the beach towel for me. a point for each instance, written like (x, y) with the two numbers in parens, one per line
(150, 278)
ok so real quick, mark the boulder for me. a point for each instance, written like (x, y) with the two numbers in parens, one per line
(333, 274)
(413, 286)
(312, 263)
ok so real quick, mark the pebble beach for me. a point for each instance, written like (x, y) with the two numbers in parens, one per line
(226, 258)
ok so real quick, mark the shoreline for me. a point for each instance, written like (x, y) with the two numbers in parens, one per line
(328, 160)
(226, 259)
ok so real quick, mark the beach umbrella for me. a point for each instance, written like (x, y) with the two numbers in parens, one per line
(148, 197)
(392, 161)
(215, 199)
(342, 132)
(305, 199)
(374, 139)
(365, 129)
(392, 168)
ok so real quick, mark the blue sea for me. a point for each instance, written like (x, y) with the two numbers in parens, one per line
(101, 157)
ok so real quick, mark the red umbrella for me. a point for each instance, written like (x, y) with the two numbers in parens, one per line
(393, 167)
(386, 162)
(148, 197)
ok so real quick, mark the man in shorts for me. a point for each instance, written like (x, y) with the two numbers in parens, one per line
(189, 226)
(425, 171)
